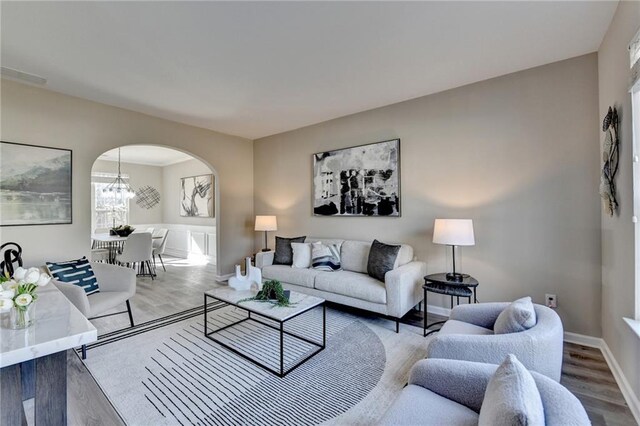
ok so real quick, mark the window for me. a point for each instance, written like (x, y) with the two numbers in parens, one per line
(109, 209)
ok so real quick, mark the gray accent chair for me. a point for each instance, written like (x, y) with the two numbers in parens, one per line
(117, 285)
(449, 392)
(468, 335)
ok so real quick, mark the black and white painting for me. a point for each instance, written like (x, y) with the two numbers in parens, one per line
(196, 196)
(35, 185)
(359, 181)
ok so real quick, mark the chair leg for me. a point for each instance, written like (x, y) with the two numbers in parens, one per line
(151, 272)
(162, 262)
(84, 351)
(130, 314)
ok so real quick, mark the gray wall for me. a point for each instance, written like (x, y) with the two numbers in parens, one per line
(171, 176)
(36, 116)
(618, 251)
(139, 175)
(517, 154)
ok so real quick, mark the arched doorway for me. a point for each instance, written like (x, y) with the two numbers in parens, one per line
(172, 195)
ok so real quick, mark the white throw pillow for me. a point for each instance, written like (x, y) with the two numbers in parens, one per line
(518, 316)
(301, 255)
(325, 257)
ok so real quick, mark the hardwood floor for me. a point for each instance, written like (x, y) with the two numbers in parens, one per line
(584, 370)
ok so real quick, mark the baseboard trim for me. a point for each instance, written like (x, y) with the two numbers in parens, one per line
(627, 391)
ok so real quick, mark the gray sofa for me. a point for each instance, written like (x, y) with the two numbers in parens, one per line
(400, 291)
(447, 392)
(468, 335)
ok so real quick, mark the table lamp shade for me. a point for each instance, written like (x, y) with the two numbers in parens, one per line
(453, 232)
(266, 223)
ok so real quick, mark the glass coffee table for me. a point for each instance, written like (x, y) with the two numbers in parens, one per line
(264, 314)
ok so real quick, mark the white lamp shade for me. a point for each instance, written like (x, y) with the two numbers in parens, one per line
(453, 232)
(266, 223)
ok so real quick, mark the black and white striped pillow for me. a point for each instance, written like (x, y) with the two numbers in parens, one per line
(77, 272)
(325, 257)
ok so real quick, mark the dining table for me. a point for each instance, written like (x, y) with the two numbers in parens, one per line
(113, 243)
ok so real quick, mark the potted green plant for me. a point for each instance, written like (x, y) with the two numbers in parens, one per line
(272, 292)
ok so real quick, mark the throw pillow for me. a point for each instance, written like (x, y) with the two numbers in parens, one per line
(325, 257)
(382, 257)
(512, 397)
(284, 252)
(301, 255)
(518, 316)
(76, 272)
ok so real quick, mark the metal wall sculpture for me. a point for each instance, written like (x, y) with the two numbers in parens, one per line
(610, 158)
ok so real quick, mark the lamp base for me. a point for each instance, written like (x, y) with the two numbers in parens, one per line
(455, 277)
(265, 249)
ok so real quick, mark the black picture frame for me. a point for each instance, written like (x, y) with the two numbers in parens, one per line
(334, 205)
(60, 179)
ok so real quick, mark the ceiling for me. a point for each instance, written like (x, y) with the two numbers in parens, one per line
(254, 69)
(147, 155)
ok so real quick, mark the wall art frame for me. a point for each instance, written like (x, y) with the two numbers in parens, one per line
(36, 185)
(358, 181)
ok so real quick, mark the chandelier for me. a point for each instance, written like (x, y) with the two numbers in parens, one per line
(119, 186)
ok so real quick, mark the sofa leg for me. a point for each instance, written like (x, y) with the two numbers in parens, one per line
(397, 325)
(130, 314)
(84, 351)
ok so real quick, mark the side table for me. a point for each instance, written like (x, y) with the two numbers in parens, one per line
(438, 283)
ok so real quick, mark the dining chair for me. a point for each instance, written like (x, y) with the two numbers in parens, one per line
(159, 244)
(138, 250)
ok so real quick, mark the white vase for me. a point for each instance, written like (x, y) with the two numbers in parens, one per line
(245, 282)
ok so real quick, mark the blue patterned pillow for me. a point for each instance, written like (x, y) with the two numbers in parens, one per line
(325, 257)
(77, 272)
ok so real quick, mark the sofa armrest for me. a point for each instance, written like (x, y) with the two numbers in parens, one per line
(480, 314)
(115, 278)
(264, 258)
(404, 287)
(461, 381)
(76, 295)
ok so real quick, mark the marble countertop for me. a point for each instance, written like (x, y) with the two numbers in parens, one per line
(300, 303)
(58, 326)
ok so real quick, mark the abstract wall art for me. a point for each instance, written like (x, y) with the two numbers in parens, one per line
(196, 196)
(358, 181)
(610, 160)
(35, 185)
(147, 197)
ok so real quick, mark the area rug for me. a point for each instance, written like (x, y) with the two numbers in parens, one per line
(174, 375)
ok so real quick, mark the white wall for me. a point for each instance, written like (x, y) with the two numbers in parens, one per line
(618, 251)
(36, 116)
(518, 154)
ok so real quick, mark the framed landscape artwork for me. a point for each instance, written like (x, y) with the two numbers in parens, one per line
(358, 181)
(196, 196)
(35, 185)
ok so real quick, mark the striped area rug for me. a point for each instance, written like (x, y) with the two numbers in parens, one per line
(174, 375)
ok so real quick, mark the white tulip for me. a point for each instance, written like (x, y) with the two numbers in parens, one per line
(23, 299)
(19, 273)
(32, 276)
(43, 280)
(7, 294)
(10, 285)
(6, 305)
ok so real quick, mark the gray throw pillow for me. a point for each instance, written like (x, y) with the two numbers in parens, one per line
(382, 257)
(284, 251)
(518, 316)
(512, 397)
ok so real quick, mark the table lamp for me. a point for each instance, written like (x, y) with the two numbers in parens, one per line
(454, 232)
(266, 224)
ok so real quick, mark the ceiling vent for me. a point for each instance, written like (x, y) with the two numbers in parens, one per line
(22, 76)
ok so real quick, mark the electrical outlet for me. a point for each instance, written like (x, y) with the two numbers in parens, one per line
(551, 300)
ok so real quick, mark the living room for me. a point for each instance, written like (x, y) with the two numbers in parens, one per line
(497, 109)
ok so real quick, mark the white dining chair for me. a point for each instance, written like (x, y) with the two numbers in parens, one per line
(159, 244)
(138, 251)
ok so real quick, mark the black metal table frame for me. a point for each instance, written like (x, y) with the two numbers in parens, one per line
(282, 372)
(426, 326)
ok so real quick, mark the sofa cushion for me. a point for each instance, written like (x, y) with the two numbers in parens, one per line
(420, 406)
(287, 274)
(284, 253)
(352, 284)
(405, 255)
(382, 258)
(325, 257)
(518, 316)
(355, 255)
(512, 397)
(460, 327)
(301, 255)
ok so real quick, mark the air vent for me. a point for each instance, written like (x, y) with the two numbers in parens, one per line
(22, 76)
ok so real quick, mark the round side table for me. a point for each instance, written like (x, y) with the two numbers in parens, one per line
(438, 283)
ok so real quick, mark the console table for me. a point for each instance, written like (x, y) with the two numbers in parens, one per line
(438, 283)
(33, 361)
